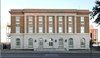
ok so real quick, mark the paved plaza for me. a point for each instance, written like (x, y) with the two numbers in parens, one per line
(50, 54)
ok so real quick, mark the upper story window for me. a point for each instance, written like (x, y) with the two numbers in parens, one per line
(17, 24)
(70, 29)
(82, 29)
(30, 29)
(40, 18)
(50, 24)
(69, 19)
(82, 19)
(60, 29)
(50, 18)
(50, 29)
(17, 19)
(30, 18)
(70, 24)
(40, 29)
(17, 29)
(60, 18)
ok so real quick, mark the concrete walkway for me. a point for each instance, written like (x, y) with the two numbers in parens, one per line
(30, 51)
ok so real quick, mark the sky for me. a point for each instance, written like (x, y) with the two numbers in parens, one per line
(6, 5)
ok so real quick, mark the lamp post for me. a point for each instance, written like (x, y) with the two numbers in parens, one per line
(91, 45)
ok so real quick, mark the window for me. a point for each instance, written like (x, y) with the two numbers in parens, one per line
(82, 19)
(66, 40)
(40, 24)
(60, 24)
(40, 18)
(61, 43)
(70, 43)
(70, 24)
(82, 42)
(41, 41)
(40, 29)
(30, 43)
(70, 29)
(50, 24)
(18, 43)
(60, 18)
(82, 29)
(69, 19)
(50, 42)
(30, 29)
(30, 18)
(17, 29)
(60, 29)
(35, 41)
(17, 24)
(50, 29)
(17, 18)
(45, 40)
(55, 40)
(50, 18)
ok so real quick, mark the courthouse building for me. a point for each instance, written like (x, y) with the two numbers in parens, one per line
(49, 29)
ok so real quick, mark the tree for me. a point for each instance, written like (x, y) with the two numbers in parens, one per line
(96, 12)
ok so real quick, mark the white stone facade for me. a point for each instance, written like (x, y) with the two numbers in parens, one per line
(76, 40)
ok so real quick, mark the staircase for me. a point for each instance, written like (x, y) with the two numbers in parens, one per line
(51, 49)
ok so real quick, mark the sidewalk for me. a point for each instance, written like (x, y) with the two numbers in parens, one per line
(30, 51)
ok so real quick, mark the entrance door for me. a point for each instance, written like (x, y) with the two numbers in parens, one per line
(40, 43)
(61, 43)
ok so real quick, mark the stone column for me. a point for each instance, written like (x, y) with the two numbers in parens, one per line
(55, 24)
(35, 24)
(65, 24)
(45, 24)
(75, 24)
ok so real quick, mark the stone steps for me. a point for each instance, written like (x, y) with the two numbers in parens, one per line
(51, 49)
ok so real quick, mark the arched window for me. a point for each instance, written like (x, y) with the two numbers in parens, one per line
(70, 42)
(82, 42)
(18, 43)
(50, 42)
(30, 43)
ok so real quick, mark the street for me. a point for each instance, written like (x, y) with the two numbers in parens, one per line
(48, 55)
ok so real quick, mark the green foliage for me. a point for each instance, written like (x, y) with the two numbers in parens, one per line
(96, 11)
